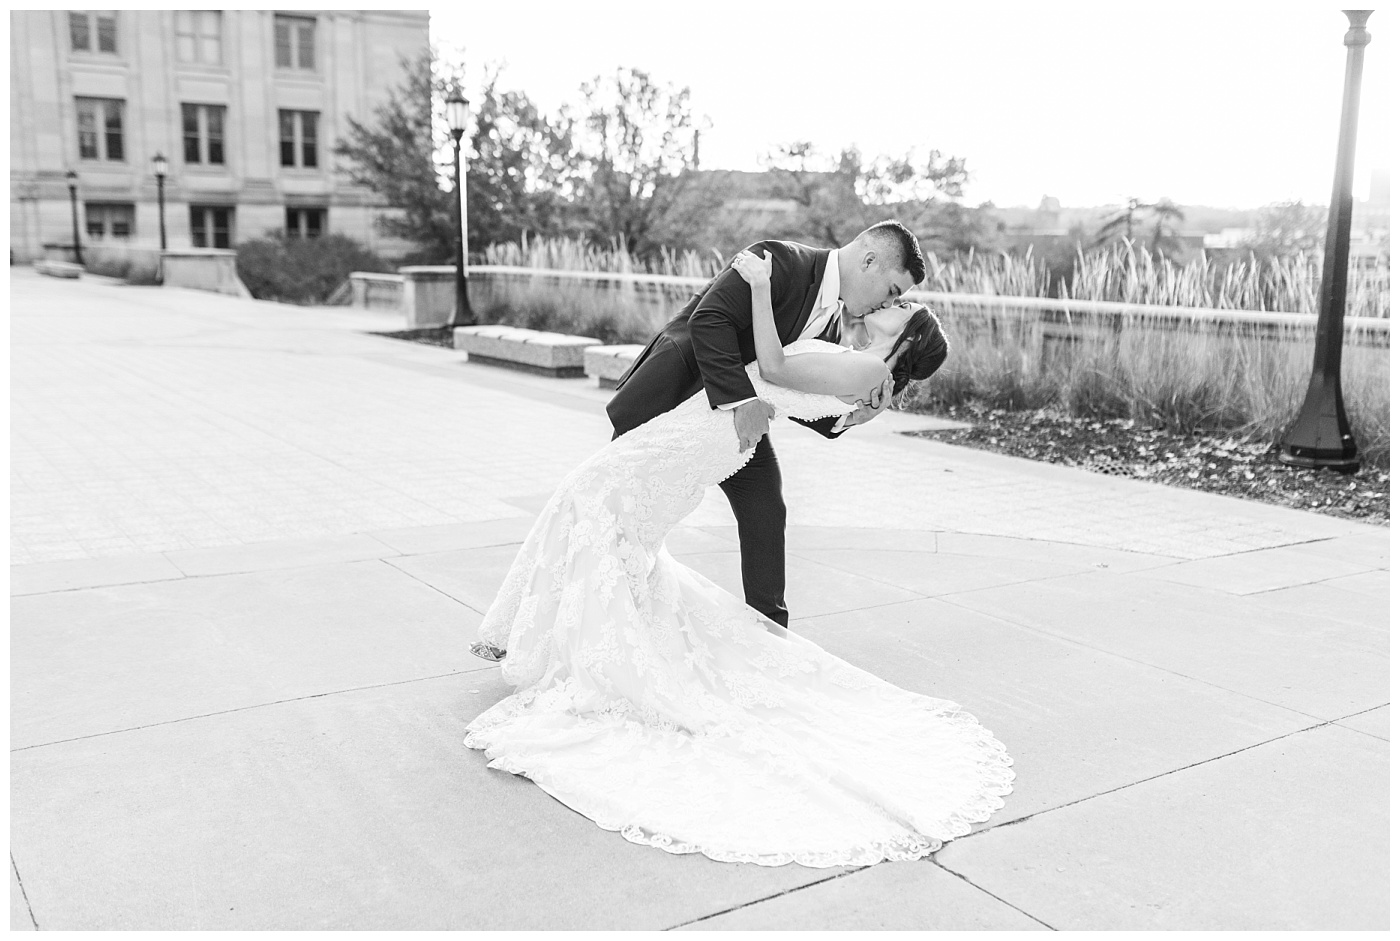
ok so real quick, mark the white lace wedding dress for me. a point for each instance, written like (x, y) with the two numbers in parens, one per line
(657, 704)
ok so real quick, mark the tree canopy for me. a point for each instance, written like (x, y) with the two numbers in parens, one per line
(621, 167)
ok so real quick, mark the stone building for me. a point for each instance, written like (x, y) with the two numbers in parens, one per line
(246, 105)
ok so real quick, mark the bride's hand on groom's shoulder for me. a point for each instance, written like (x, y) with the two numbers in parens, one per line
(753, 269)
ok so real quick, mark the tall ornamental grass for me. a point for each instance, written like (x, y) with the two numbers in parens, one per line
(582, 255)
(1124, 273)
(613, 312)
(609, 311)
(1242, 379)
(1288, 284)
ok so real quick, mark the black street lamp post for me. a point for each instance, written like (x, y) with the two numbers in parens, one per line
(1320, 436)
(457, 123)
(73, 201)
(159, 165)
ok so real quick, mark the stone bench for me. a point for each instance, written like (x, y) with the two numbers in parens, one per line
(535, 351)
(608, 363)
(58, 269)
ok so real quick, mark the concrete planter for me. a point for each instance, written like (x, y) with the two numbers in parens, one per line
(607, 363)
(535, 351)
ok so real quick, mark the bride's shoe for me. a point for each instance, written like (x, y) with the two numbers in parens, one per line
(487, 652)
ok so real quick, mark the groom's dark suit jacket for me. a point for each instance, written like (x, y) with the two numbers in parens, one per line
(708, 343)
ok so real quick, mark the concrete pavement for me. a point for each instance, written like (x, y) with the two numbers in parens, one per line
(250, 543)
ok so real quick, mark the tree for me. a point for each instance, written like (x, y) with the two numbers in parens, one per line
(1165, 215)
(1288, 228)
(634, 141)
(1120, 225)
(838, 198)
(519, 167)
(397, 156)
(517, 161)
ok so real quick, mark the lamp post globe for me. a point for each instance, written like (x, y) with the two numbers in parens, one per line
(159, 166)
(72, 178)
(457, 114)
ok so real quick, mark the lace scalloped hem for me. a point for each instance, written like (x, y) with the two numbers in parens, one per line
(908, 847)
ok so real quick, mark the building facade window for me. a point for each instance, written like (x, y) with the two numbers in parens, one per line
(100, 129)
(110, 220)
(295, 40)
(304, 222)
(203, 133)
(199, 36)
(211, 226)
(297, 132)
(93, 30)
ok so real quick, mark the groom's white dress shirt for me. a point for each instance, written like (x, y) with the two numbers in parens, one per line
(828, 303)
(826, 306)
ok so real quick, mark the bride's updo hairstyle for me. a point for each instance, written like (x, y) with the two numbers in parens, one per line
(928, 348)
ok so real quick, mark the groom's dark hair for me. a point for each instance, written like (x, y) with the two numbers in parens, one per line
(901, 243)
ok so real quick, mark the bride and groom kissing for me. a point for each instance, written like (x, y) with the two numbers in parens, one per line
(659, 705)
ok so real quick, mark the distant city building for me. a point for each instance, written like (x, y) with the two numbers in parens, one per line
(246, 105)
(1228, 238)
(1370, 223)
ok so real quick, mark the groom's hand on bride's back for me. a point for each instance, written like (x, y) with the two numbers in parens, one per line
(751, 422)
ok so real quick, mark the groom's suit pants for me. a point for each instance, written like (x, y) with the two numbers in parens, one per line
(756, 494)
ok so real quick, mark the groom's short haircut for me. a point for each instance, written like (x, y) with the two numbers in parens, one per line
(900, 243)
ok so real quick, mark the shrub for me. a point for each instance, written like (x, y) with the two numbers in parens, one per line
(118, 260)
(302, 271)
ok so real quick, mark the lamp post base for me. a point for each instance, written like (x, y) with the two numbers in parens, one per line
(1340, 462)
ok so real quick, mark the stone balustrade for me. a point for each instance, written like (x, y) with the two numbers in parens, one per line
(204, 269)
(375, 291)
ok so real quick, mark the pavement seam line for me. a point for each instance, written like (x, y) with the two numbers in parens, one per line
(768, 898)
(58, 591)
(401, 554)
(1321, 581)
(1361, 713)
(1128, 659)
(396, 554)
(992, 894)
(260, 705)
(389, 562)
(23, 894)
(1194, 764)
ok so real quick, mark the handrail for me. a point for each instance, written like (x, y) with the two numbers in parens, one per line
(679, 280)
(1071, 305)
(1067, 305)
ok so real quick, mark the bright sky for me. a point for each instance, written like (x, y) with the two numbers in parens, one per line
(1229, 104)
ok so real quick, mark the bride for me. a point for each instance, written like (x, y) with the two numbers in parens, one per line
(660, 706)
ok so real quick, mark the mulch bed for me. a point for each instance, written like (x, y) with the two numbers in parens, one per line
(1130, 449)
(1126, 448)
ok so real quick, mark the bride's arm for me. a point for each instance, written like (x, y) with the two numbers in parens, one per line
(758, 272)
(847, 374)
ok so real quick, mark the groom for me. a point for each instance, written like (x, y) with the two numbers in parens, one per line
(708, 343)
